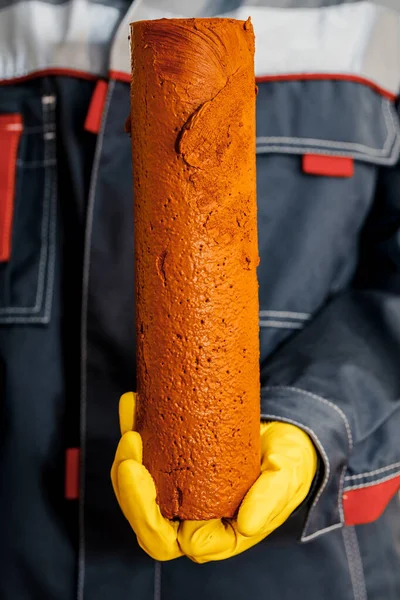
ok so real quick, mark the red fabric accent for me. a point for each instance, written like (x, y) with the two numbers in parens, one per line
(10, 132)
(95, 112)
(368, 503)
(327, 76)
(120, 76)
(72, 458)
(48, 73)
(331, 166)
(125, 77)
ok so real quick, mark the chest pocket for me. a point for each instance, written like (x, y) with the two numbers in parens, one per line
(320, 145)
(27, 268)
(327, 117)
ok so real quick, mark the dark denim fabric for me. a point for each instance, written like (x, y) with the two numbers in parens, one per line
(329, 334)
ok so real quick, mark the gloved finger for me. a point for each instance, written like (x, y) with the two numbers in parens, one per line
(203, 541)
(127, 412)
(288, 463)
(265, 500)
(137, 492)
(280, 488)
(129, 447)
(283, 439)
(213, 540)
(286, 511)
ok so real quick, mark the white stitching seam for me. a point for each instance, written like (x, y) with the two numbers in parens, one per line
(340, 496)
(320, 399)
(44, 251)
(45, 248)
(281, 324)
(371, 473)
(301, 151)
(52, 251)
(316, 534)
(44, 237)
(360, 148)
(51, 151)
(85, 299)
(285, 314)
(372, 483)
(50, 263)
(325, 458)
(307, 538)
(389, 160)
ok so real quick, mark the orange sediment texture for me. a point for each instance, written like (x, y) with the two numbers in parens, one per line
(193, 147)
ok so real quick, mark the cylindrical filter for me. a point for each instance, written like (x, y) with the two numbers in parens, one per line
(193, 146)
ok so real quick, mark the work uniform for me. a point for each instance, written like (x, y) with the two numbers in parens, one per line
(328, 185)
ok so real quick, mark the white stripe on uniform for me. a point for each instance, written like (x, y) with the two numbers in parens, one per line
(358, 40)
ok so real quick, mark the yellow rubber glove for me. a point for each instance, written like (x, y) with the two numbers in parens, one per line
(288, 466)
(136, 492)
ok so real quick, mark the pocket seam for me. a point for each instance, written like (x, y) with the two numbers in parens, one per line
(43, 300)
(388, 154)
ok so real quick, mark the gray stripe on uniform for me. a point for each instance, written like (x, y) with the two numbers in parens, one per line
(85, 300)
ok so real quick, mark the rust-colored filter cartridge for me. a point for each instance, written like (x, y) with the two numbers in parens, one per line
(196, 254)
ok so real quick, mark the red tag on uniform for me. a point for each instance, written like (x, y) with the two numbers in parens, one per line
(95, 112)
(72, 458)
(10, 133)
(366, 503)
(330, 166)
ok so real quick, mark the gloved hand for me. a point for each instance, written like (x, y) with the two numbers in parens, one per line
(288, 466)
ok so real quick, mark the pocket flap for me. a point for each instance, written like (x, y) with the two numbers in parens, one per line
(328, 117)
(10, 133)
